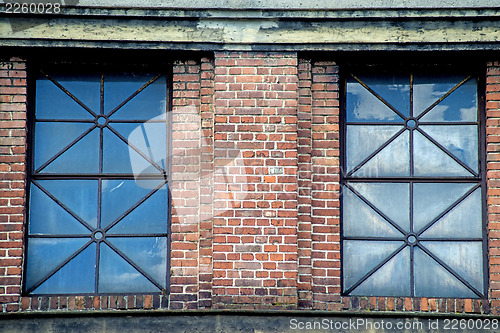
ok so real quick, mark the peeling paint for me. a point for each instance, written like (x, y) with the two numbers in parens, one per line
(237, 33)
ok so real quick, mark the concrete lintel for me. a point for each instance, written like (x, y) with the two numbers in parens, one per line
(223, 30)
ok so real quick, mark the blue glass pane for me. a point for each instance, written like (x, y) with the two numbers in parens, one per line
(148, 104)
(53, 103)
(460, 140)
(76, 277)
(364, 140)
(46, 217)
(116, 154)
(463, 221)
(427, 89)
(78, 195)
(119, 87)
(432, 280)
(392, 199)
(465, 258)
(393, 160)
(85, 87)
(149, 253)
(394, 89)
(392, 279)
(45, 254)
(120, 158)
(82, 157)
(118, 276)
(431, 199)
(361, 220)
(360, 257)
(460, 105)
(149, 217)
(150, 139)
(430, 160)
(51, 138)
(118, 196)
(361, 105)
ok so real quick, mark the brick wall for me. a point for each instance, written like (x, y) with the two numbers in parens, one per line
(12, 179)
(255, 224)
(255, 191)
(325, 188)
(493, 179)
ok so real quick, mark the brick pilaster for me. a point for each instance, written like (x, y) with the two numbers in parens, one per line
(255, 224)
(13, 131)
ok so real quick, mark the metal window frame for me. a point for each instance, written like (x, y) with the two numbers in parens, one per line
(479, 178)
(35, 69)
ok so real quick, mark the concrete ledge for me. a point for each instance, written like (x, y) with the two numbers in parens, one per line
(232, 321)
(225, 30)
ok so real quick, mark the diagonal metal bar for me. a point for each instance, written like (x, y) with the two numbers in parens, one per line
(71, 144)
(443, 97)
(133, 264)
(378, 96)
(370, 273)
(63, 206)
(134, 94)
(137, 204)
(450, 270)
(372, 206)
(137, 150)
(52, 272)
(69, 94)
(394, 137)
(447, 152)
(447, 210)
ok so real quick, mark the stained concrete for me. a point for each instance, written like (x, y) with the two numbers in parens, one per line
(234, 322)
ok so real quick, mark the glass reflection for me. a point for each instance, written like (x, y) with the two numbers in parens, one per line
(433, 280)
(393, 88)
(367, 255)
(393, 160)
(460, 105)
(392, 199)
(460, 140)
(53, 103)
(430, 160)
(361, 220)
(117, 276)
(364, 106)
(364, 140)
(432, 199)
(396, 271)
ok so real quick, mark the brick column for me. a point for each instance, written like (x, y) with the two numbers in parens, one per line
(185, 185)
(493, 179)
(325, 187)
(12, 179)
(255, 208)
(206, 184)
(304, 182)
